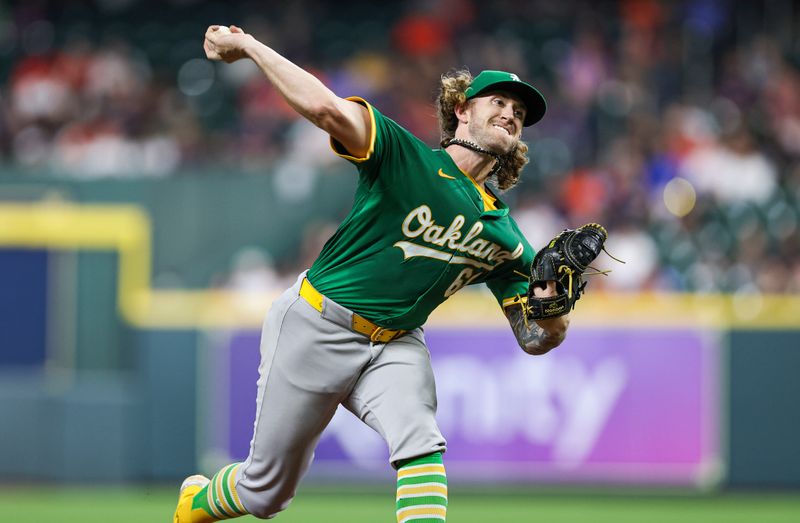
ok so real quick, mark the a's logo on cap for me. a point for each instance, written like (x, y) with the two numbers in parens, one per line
(514, 77)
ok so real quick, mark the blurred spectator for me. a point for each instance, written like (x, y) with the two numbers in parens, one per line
(537, 219)
(584, 195)
(639, 92)
(732, 171)
(253, 270)
(639, 252)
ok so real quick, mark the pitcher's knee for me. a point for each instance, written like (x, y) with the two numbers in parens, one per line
(267, 487)
(427, 440)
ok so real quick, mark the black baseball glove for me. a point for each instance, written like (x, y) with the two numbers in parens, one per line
(563, 260)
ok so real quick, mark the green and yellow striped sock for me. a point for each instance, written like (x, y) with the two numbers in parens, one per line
(422, 490)
(219, 499)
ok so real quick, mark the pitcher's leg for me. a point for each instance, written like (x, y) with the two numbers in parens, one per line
(421, 489)
(308, 365)
(204, 501)
(396, 396)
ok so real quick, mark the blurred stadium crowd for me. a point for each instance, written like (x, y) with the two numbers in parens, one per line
(675, 123)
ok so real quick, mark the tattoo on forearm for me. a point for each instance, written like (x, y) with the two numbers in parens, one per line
(531, 337)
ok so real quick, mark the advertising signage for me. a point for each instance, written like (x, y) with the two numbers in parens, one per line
(621, 405)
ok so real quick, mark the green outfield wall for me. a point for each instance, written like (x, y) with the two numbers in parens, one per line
(763, 416)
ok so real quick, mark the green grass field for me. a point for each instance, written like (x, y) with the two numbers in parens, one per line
(144, 505)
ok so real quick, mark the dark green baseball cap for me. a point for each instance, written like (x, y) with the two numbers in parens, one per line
(488, 81)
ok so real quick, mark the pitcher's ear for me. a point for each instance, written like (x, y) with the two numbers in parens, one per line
(462, 112)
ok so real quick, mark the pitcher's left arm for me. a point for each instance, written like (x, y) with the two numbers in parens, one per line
(537, 337)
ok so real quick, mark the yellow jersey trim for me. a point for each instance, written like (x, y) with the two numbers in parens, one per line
(489, 201)
(338, 148)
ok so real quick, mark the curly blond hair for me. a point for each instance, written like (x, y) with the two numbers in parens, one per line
(452, 92)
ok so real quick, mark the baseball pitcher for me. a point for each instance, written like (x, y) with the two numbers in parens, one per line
(424, 224)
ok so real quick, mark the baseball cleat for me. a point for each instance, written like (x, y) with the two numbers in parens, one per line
(189, 488)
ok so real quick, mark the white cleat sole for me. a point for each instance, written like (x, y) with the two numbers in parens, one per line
(198, 480)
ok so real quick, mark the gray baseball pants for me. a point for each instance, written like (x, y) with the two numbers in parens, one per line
(310, 363)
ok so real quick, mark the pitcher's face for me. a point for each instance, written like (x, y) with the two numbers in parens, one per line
(495, 121)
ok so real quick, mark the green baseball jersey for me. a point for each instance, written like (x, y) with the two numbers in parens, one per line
(416, 234)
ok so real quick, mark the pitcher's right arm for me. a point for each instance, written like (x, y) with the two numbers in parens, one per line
(345, 121)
